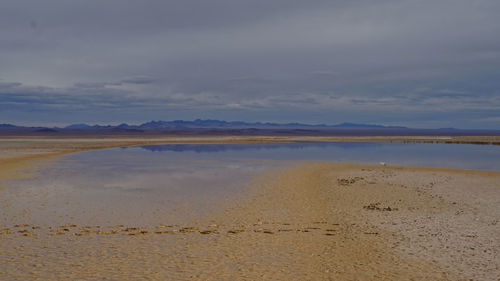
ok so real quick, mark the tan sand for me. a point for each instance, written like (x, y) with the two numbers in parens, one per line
(317, 221)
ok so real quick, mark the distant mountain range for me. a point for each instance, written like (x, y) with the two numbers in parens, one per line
(230, 128)
(219, 124)
(7, 126)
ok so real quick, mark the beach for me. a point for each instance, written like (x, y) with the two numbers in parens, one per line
(309, 221)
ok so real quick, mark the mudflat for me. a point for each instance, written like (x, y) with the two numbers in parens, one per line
(312, 221)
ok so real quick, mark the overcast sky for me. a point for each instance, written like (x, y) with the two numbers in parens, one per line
(419, 63)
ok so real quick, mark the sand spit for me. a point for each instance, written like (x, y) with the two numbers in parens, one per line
(318, 221)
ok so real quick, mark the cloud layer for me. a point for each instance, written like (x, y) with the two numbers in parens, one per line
(419, 63)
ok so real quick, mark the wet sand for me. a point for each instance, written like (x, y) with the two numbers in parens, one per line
(317, 221)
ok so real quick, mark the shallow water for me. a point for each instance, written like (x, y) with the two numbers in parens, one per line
(461, 156)
(174, 183)
(130, 187)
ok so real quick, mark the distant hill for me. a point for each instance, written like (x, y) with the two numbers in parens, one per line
(7, 126)
(227, 128)
(217, 124)
(199, 123)
(78, 126)
(86, 126)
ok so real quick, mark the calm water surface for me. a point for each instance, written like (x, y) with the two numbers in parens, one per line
(462, 156)
(173, 183)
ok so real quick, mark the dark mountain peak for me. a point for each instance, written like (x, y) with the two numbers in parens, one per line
(198, 123)
(154, 125)
(78, 126)
(213, 123)
(86, 126)
(216, 124)
(7, 126)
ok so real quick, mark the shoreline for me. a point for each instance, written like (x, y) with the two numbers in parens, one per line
(480, 140)
(22, 152)
(319, 220)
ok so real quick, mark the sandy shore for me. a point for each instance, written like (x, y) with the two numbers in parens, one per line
(316, 221)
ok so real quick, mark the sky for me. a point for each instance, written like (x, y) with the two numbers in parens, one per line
(416, 63)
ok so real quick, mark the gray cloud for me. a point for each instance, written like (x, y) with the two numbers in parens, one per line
(9, 85)
(242, 59)
(139, 80)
